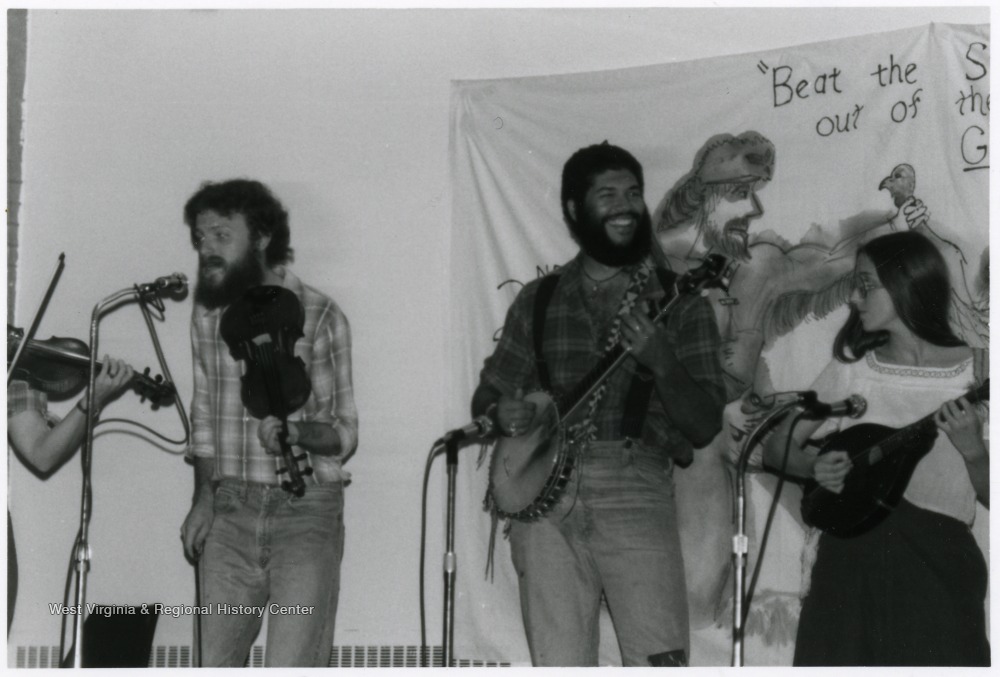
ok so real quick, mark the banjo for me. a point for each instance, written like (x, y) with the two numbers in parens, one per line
(528, 473)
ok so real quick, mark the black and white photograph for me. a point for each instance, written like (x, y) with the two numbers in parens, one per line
(402, 336)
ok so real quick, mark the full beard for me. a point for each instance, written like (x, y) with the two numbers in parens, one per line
(245, 273)
(594, 240)
(731, 243)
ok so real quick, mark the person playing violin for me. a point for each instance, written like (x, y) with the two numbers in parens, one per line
(909, 591)
(253, 541)
(43, 442)
(614, 531)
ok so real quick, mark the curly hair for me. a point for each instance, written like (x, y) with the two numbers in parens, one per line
(264, 213)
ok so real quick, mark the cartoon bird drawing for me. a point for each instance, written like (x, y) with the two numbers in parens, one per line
(900, 183)
(969, 318)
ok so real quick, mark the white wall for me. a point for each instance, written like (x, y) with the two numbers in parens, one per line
(345, 114)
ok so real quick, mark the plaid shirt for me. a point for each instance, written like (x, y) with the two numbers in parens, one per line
(571, 348)
(225, 430)
(22, 397)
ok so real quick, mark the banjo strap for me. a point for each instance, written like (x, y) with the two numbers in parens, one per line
(641, 388)
(640, 391)
(546, 289)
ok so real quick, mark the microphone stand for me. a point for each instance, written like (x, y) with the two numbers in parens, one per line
(81, 550)
(740, 540)
(450, 559)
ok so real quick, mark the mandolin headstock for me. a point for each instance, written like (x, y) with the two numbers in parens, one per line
(980, 393)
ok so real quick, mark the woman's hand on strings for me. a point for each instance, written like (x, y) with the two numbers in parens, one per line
(964, 427)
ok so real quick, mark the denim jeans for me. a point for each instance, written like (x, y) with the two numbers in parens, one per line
(270, 550)
(614, 532)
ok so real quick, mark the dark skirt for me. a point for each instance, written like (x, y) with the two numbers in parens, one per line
(909, 592)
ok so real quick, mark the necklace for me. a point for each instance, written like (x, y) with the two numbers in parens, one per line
(597, 283)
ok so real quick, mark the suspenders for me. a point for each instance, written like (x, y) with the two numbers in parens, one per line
(640, 390)
(546, 288)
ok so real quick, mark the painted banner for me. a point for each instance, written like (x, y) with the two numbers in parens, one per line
(850, 139)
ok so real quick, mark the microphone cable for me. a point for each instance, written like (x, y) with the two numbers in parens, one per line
(423, 661)
(178, 404)
(64, 655)
(748, 598)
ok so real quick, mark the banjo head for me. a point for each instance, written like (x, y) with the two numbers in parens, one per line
(522, 467)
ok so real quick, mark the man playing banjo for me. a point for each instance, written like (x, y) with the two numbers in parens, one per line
(612, 529)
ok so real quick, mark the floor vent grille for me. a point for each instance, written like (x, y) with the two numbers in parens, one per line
(180, 656)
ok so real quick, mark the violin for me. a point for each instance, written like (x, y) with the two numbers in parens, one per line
(60, 367)
(261, 329)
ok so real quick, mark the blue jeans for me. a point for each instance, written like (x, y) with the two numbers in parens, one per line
(270, 550)
(614, 532)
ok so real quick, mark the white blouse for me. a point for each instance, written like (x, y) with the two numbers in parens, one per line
(898, 396)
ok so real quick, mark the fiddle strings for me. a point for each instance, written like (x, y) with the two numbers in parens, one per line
(265, 356)
(268, 319)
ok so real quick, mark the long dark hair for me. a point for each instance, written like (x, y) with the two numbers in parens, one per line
(915, 274)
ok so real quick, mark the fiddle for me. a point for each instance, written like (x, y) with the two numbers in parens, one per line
(59, 367)
(261, 329)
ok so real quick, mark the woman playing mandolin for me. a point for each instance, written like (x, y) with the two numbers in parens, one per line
(908, 589)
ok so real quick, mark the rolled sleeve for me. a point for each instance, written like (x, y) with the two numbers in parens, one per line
(201, 427)
(332, 380)
(513, 361)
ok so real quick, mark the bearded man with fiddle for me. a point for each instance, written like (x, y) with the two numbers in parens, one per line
(613, 532)
(258, 544)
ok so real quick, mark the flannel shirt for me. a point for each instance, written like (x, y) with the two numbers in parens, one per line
(22, 397)
(223, 428)
(571, 348)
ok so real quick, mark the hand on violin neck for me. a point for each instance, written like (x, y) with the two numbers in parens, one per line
(113, 378)
(269, 434)
(316, 437)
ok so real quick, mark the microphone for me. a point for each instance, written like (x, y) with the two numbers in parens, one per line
(806, 398)
(853, 407)
(165, 285)
(481, 426)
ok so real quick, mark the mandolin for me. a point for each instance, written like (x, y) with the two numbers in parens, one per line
(883, 461)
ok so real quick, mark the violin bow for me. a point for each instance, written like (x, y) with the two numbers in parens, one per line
(30, 333)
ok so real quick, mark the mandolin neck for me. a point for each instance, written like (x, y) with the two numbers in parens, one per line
(927, 426)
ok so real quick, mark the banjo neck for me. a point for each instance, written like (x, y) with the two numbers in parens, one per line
(713, 272)
(609, 363)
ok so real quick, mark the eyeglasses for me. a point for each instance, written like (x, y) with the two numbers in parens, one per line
(865, 285)
(219, 237)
